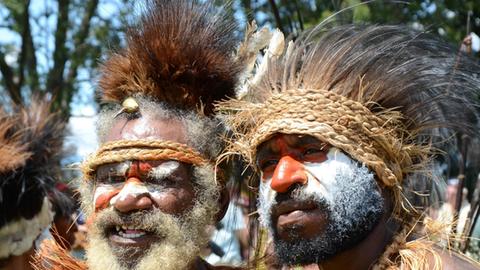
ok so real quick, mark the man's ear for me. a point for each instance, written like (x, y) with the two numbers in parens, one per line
(223, 203)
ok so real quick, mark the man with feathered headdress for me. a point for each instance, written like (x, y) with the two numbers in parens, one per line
(341, 129)
(153, 187)
(30, 146)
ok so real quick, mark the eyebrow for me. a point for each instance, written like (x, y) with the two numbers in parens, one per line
(292, 141)
(164, 170)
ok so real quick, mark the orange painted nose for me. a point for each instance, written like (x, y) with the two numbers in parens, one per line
(132, 198)
(287, 173)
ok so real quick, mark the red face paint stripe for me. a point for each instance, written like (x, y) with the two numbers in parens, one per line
(103, 200)
(144, 167)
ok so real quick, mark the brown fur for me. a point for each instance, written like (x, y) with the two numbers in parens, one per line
(13, 153)
(179, 53)
(30, 149)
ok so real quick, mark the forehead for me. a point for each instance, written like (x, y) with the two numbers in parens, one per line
(148, 127)
(278, 141)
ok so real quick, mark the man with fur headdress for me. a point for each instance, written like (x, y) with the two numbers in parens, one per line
(153, 187)
(30, 146)
(341, 130)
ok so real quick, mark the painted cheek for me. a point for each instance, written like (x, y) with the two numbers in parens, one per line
(133, 187)
(323, 176)
(155, 192)
(103, 195)
(265, 176)
(316, 158)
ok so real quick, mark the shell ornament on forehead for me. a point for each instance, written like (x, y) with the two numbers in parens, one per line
(129, 106)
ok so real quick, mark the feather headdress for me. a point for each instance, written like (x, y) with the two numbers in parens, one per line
(386, 95)
(30, 146)
(383, 94)
(180, 53)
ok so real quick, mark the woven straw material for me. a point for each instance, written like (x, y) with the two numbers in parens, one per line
(143, 150)
(370, 138)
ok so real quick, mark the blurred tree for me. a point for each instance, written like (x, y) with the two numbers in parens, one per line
(48, 47)
(448, 18)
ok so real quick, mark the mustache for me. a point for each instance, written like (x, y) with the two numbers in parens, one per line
(298, 193)
(147, 220)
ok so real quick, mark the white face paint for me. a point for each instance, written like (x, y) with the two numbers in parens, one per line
(136, 189)
(104, 189)
(345, 191)
(130, 189)
(322, 177)
(322, 182)
(164, 170)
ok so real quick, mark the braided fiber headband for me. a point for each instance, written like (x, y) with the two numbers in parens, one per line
(374, 139)
(124, 150)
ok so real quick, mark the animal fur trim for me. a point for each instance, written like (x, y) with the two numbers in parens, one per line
(180, 53)
(31, 140)
(17, 236)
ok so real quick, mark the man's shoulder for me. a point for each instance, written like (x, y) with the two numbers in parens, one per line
(454, 261)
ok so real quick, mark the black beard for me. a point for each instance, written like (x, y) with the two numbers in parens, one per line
(308, 251)
(343, 231)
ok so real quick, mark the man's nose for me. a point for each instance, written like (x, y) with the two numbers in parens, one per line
(287, 173)
(133, 196)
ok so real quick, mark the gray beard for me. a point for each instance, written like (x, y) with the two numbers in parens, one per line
(180, 238)
(355, 210)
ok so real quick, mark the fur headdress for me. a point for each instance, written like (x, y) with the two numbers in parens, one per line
(30, 147)
(179, 52)
(179, 57)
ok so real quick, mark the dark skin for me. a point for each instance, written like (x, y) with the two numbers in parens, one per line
(175, 195)
(281, 159)
(20, 262)
(63, 230)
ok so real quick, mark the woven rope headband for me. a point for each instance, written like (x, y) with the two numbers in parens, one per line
(124, 150)
(372, 139)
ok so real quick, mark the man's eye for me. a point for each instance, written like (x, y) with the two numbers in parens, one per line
(312, 151)
(168, 181)
(111, 179)
(268, 164)
(315, 154)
